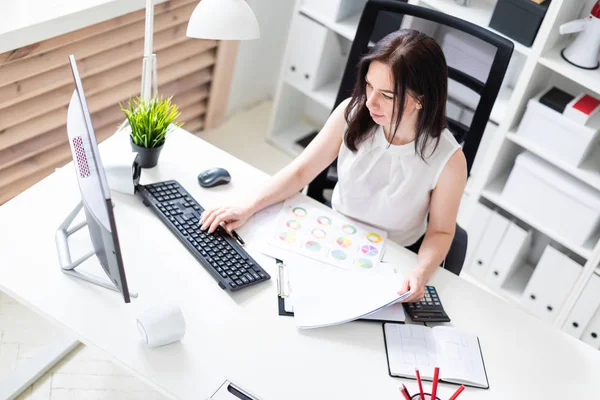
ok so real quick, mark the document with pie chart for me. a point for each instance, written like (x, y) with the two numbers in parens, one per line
(318, 232)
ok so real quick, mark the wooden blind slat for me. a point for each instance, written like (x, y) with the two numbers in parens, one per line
(42, 62)
(195, 126)
(111, 116)
(46, 122)
(8, 192)
(97, 63)
(96, 29)
(21, 112)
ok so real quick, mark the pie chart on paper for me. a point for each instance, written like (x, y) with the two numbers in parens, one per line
(299, 212)
(287, 237)
(343, 242)
(364, 263)
(339, 255)
(349, 229)
(325, 221)
(293, 224)
(374, 237)
(313, 246)
(319, 233)
(369, 250)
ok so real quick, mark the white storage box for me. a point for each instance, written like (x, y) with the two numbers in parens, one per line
(315, 56)
(510, 255)
(584, 309)
(560, 136)
(553, 277)
(333, 10)
(488, 244)
(553, 198)
(475, 229)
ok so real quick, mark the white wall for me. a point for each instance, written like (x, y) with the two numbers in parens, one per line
(258, 61)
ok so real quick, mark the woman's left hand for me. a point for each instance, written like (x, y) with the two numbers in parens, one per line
(415, 281)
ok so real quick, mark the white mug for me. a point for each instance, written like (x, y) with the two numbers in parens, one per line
(161, 325)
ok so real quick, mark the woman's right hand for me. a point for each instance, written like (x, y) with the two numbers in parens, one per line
(230, 217)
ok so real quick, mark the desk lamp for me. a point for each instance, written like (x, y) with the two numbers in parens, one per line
(211, 19)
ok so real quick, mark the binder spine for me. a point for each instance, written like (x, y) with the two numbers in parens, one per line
(282, 279)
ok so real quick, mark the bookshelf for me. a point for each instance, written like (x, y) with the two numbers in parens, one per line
(298, 109)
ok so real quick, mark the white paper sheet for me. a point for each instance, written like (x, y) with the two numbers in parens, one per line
(311, 229)
(393, 313)
(325, 296)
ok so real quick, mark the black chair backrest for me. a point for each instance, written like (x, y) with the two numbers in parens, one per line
(477, 62)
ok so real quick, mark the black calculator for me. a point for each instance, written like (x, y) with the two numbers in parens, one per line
(429, 309)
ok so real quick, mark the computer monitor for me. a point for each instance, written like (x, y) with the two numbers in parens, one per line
(95, 192)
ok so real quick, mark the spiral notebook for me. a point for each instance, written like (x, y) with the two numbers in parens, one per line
(456, 353)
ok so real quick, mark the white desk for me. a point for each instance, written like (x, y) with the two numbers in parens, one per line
(240, 336)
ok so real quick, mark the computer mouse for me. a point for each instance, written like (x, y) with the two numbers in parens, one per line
(214, 177)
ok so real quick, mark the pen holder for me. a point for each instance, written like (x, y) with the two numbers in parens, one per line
(427, 396)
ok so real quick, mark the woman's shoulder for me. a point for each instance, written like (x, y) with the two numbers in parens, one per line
(344, 106)
(448, 138)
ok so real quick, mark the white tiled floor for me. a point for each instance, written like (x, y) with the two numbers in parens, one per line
(88, 373)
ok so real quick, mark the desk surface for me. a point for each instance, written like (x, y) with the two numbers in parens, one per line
(240, 336)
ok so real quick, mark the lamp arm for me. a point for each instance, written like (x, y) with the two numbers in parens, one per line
(148, 62)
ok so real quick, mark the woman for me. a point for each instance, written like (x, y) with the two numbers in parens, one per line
(399, 168)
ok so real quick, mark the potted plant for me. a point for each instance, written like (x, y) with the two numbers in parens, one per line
(150, 122)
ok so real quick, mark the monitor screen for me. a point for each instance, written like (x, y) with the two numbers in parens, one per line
(95, 192)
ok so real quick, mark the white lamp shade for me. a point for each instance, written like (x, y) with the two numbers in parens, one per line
(223, 20)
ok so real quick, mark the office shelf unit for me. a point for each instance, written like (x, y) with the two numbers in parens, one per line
(301, 108)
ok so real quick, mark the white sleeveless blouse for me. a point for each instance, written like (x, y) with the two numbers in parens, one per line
(389, 186)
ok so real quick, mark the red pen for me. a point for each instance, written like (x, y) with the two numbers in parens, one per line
(436, 373)
(404, 392)
(458, 391)
(420, 385)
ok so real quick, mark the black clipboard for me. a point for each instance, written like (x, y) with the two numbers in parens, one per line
(387, 358)
(281, 294)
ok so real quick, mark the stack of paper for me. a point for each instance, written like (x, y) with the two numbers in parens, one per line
(333, 263)
(325, 296)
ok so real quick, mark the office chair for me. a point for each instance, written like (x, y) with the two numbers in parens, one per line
(478, 77)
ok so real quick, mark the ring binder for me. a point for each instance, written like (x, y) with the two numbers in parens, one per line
(283, 286)
(394, 313)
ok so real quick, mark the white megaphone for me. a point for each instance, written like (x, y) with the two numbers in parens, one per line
(583, 51)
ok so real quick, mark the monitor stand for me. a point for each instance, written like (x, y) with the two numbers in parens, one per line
(64, 254)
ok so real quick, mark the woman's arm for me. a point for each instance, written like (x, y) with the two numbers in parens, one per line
(318, 155)
(445, 200)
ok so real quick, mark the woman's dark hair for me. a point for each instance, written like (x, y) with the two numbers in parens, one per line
(418, 68)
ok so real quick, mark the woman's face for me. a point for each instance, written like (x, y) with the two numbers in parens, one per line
(380, 95)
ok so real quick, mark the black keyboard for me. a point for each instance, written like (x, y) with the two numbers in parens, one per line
(218, 252)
